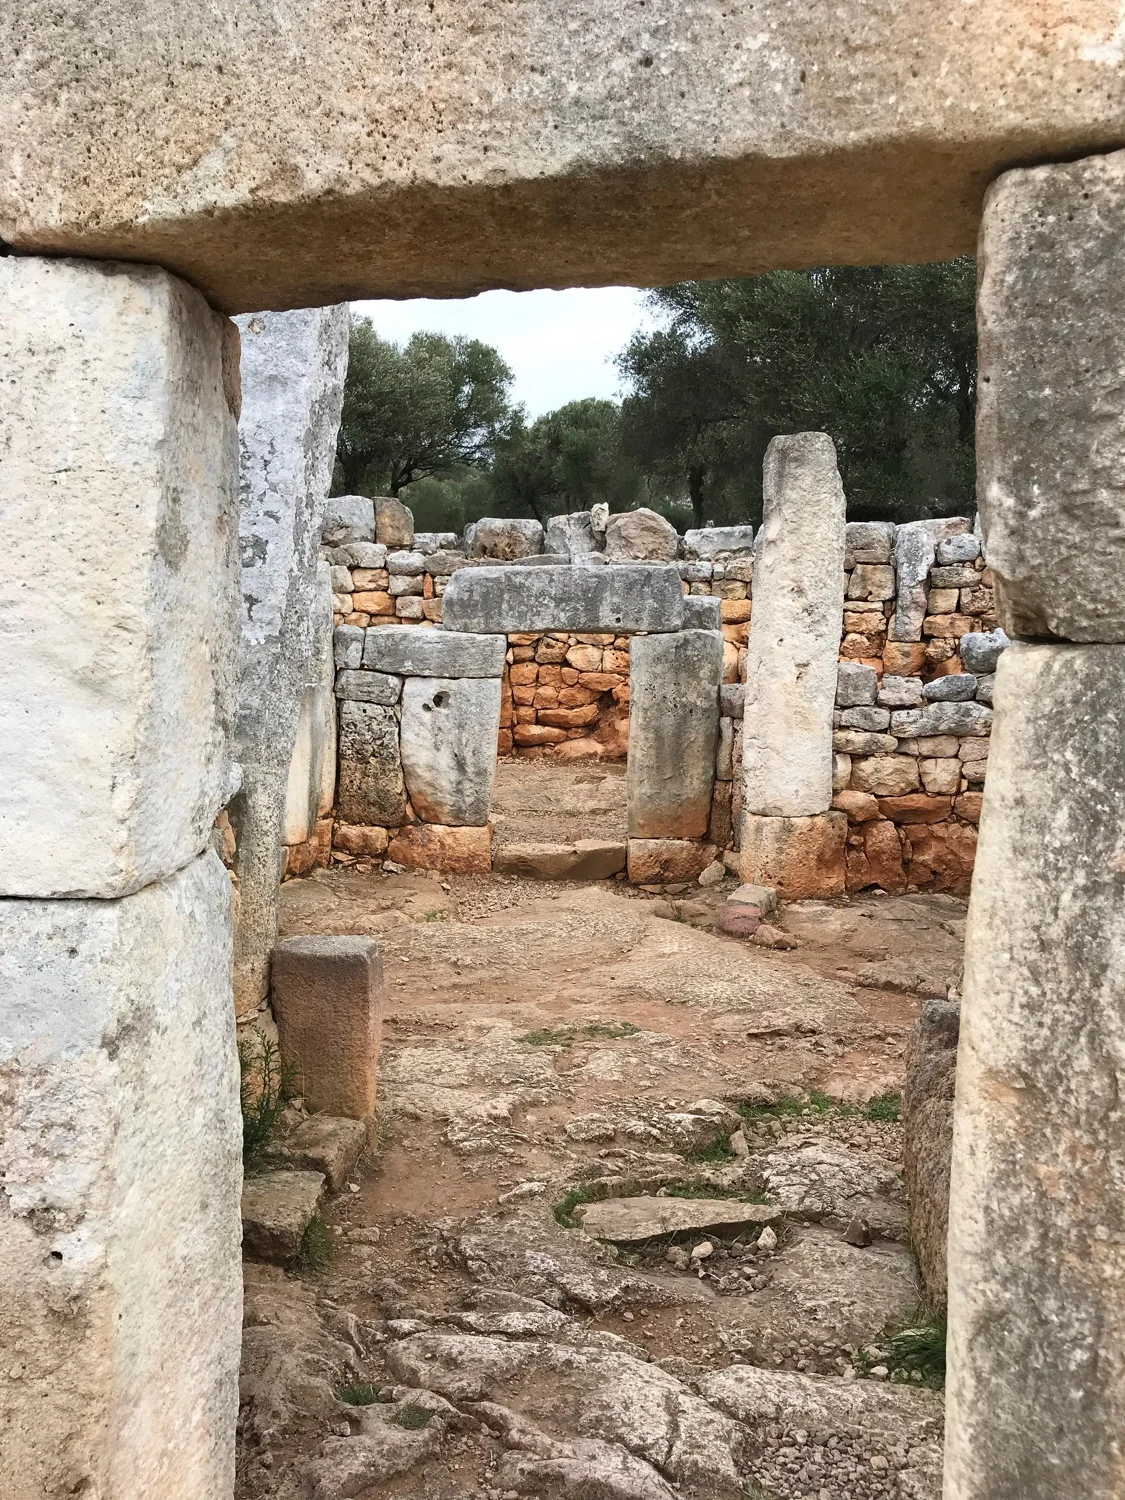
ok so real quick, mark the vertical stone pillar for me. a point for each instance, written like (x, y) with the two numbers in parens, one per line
(673, 732)
(1036, 1397)
(120, 1281)
(790, 839)
(293, 367)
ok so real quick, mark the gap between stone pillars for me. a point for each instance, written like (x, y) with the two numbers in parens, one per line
(120, 1275)
(789, 837)
(1036, 1387)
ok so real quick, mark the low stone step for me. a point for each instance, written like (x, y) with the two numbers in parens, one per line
(322, 1143)
(276, 1210)
(586, 859)
(631, 1221)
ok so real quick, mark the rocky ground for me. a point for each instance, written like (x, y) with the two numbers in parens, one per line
(556, 1054)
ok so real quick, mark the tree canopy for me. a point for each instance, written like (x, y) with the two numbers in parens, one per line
(567, 460)
(417, 410)
(881, 358)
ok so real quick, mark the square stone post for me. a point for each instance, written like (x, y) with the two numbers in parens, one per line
(790, 839)
(1036, 1392)
(120, 1136)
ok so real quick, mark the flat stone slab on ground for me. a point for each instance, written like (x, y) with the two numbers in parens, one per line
(587, 859)
(276, 1210)
(630, 1221)
(322, 1143)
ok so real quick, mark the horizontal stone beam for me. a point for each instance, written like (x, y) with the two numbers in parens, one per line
(418, 651)
(621, 599)
(303, 173)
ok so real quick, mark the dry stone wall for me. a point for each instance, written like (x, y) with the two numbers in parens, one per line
(918, 649)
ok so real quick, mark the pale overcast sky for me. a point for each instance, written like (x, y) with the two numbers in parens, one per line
(561, 345)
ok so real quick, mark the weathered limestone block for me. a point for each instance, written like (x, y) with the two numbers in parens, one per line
(1037, 1213)
(328, 1000)
(517, 599)
(717, 541)
(347, 647)
(656, 860)
(702, 612)
(121, 1160)
(856, 684)
(885, 775)
(899, 692)
(119, 589)
(799, 857)
(981, 651)
(942, 718)
(927, 1138)
(371, 789)
(795, 631)
(673, 732)
(415, 651)
(732, 697)
(447, 740)
(320, 1143)
(868, 542)
(571, 535)
(506, 540)
(640, 535)
(1051, 418)
(434, 846)
(293, 367)
(277, 1208)
(368, 687)
(394, 522)
(347, 518)
(915, 550)
(587, 859)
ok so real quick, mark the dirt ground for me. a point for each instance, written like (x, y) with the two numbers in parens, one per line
(538, 801)
(549, 1045)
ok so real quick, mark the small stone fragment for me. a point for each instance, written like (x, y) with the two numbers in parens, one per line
(858, 1232)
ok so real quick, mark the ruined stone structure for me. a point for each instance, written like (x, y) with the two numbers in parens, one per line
(242, 160)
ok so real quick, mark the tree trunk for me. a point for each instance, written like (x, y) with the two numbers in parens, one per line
(695, 491)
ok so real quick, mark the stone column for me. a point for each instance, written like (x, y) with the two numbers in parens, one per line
(673, 732)
(120, 1136)
(293, 367)
(790, 839)
(1037, 1213)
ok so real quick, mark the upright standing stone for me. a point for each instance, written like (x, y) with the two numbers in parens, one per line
(447, 740)
(328, 999)
(791, 663)
(1051, 417)
(118, 591)
(673, 732)
(293, 367)
(372, 789)
(120, 1154)
(915, 550)
(311, 785)
(1037, 1214)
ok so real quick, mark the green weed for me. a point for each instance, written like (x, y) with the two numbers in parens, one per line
(586, 1193)
(716, 1154)
(315, 1253)
(360, 1394)
(412, 1417)
(566, 1036)
(266, 1085)
(438, 914)
(887, 1106)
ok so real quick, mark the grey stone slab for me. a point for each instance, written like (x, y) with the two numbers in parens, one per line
(795, 630)
(856, 684)
(368, 687)
(876, 719)
(347, 643)
(428, 542)
(571, 535)
(731, 698)
(293, 367)
(724, 751)
(955, 575)
(702, 612)
(517, 599)
(981, 651)
(418, 651)
(277, 1208)
(328, 1144)
(863, 742)
(121, 1163)
(868, 542)
(587, 859)
(371, 787)
(1051, 403)
(640, 535)
(405, 563)
(632, 1221)
(717, 541)
(764, 897)
(394, 522)
(444, 564)
(899, 692)
(914, 553)
(348, 518)
(119, 586)
(673, 732)
(357, 555)
(965, 548)
(310, 789)
(447, 740)
(985, 687)
(506, 540)
(942, 718)
(957, 687)
(1037, 1215)
(695, 571)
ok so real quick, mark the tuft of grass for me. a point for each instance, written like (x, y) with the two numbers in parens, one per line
(315, 1253)
(914, 1354)
(266, 1084)
(411, 1416)
(566, 1036)
(438, 914)
(717, 1153)
(700, 1189)
(887, 1106)
(584, 1193)
(359, 1394)
(788, 1108)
